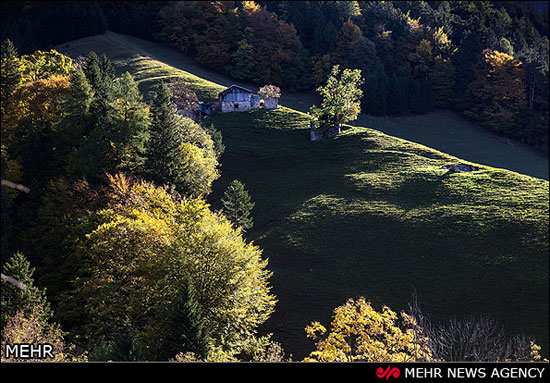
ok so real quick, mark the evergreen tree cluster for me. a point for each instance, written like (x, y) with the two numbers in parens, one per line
(396, 95)
(33, 25)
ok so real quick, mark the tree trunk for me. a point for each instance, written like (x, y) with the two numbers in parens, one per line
(14, 282)
(15, 186)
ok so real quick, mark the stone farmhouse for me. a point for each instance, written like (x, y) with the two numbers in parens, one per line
(239, 99)
(232, 99)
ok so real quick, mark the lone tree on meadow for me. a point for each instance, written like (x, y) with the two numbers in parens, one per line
(237, 205)
(341, 98)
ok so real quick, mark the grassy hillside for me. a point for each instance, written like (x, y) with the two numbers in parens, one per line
(367, 214)
(371, 214)
(451, 133)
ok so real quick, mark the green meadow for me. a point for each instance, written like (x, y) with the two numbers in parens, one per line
(368, 214)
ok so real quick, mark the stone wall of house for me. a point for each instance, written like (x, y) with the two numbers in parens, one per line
(235, 106)
(254, 101)
(270, 103)
(240, 106)
(242, 102)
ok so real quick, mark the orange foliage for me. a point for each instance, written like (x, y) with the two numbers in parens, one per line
(497, 92)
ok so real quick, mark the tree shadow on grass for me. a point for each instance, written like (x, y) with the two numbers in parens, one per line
(423, 191)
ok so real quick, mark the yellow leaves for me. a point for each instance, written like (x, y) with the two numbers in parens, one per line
(42, 65)
(535, 352)
(38, 100)
(147, 242)
(30, 330)
(200, 167)
(314, 328)
(414, 24)
(442, 43)
(360, 333)
(250, 7)
(497, 93)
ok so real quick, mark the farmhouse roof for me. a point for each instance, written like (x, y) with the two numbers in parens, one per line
(227, 90)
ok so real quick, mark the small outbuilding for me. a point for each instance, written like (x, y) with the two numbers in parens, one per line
(270, 95)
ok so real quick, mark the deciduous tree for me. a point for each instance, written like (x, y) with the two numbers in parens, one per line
(360, 333)
(497, 94)
(341, 97)
(42, 65)
(137, 251)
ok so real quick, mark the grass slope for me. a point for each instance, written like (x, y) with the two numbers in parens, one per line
(370, 214)
(367, 214)
(451, 133)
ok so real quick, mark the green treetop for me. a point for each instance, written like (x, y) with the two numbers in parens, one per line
(341, 97)
(237, 205)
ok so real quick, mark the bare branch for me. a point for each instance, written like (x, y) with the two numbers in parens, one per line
(15, 186)
(14, 282)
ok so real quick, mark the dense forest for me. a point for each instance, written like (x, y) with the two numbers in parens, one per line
(114, 172)
(415, 55)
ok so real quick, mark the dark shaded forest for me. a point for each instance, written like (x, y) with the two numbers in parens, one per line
(415, 55)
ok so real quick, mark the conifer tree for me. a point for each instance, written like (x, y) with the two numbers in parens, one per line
(163, 163)
(237, 205)
(397, 96)
(442, 80)
(76, 107)
(14, 299)
(80, 95)
(217, 137)
(10, 73)
(92, 70)
(417, 104)
(382, 91)
(128, 128)
(376, 93)
(242, 61)
(124, 348)
(114, 121)
(185, 326)
(106, 67)
(100, 77)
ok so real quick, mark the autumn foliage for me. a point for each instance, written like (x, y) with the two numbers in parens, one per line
(497, 94)
(30, 330)
(360, 333)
